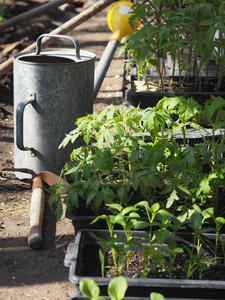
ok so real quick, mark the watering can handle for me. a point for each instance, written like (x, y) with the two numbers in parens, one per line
(19, 123)
(75, 42)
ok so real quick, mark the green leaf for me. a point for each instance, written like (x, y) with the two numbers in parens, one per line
(178, 250)
(86, 171)
(161, 236)
(101, 255)
(54, 198)
(205, 261)
(183, 189)
(196, 220)
(208, 212)
(158, 258)
(128, 209)
(173, 196)
(95, 185)
(141, 224)
(156, 296)
(118, 128)
(91, 197)
(171, 244)
(117, 288)
(103, 217)
(115, 206)
(144, 204)
(204, 187)
(220, 220)
(100, 141)
(221, 26)
(59, 211)
(89, 288)
(155, 207)
(108, 193)
(121, 193)
(189, 155)
(206, 22)
(109, 138)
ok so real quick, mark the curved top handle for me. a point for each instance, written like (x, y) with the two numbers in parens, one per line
(75, 42)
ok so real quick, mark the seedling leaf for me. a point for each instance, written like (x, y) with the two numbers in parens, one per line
(89, 288)
(117, 288)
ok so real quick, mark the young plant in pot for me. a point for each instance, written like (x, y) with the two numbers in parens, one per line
(116, 290)
(98, 171)
(144, 154)
(187, 43)
(164, 259)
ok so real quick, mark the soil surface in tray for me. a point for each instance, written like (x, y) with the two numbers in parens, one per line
(176, 87)
(137, 264)
(137, 267)
(40, 274)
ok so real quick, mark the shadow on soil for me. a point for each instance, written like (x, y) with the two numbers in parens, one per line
(20, 265)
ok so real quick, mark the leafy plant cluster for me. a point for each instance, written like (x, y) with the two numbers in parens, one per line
(163, 243)
(116, 289)
(132, 151)
(190, 32)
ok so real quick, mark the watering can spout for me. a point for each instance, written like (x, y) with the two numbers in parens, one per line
(118, 19)
(118, 22)
(117, 35)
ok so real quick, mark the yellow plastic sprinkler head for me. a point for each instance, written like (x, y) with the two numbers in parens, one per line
(118, 19)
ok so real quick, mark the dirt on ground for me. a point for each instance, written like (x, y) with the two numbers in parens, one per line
(27, 273)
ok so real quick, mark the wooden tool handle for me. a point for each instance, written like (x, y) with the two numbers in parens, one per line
(36, 214)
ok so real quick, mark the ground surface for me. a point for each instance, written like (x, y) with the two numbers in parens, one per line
(26, 273)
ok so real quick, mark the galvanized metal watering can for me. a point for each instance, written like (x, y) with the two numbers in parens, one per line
(52, 88)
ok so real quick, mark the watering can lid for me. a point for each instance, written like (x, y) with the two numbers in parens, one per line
(54, 56)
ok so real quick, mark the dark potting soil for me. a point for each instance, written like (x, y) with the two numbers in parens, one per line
(187, 85)
(92, 266)
(136, 268)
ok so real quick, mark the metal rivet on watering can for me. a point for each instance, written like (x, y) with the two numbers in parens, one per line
(52, 88)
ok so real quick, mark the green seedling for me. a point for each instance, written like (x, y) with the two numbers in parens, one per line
(196, 222)
(174, 186)
(111, 221)
(102, 252)
(198, 21)
(151, 213)
(156, 296)
(172, 251)
(122, 250)
(160, 237)
(90, 289)
(219, 221)
(137, 158)
(151, 257)
(204, 265)
(192, 264)
(177, 223)
(187, 110)
(127, 218)
(116, 289)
